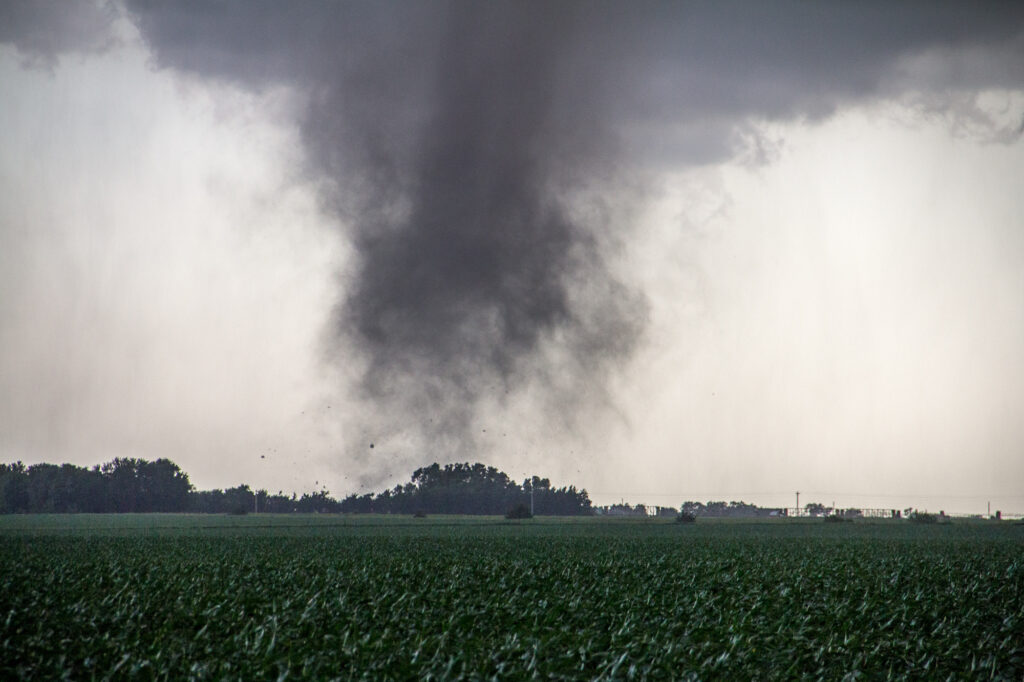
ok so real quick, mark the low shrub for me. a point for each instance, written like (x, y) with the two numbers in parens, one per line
(520, 511)
(686, 517)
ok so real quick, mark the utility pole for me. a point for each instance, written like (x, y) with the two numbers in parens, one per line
(798, 503)
(532, 481)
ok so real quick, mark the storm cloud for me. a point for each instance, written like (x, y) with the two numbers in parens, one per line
(42, 31)
(463, 141)
(486, 160)
(457, 150)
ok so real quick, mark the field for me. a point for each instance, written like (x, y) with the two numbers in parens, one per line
(320, 597)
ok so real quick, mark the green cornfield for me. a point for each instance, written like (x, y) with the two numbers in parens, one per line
(326, 597)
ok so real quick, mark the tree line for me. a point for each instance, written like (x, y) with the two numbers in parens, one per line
(694, 509)
(131, 485)
(733, 508)
(121, 485)
(470, 489)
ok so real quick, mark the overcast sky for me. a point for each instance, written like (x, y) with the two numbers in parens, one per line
(660, 251)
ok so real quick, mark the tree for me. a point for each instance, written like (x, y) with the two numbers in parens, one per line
(162, 486)
(13, 488)
(815, 509)
(121, 475)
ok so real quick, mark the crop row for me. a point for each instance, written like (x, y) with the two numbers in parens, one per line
(501, 607)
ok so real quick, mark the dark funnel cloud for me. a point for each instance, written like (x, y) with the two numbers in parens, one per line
(444, 137)
(484, 156)
(455, 295)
